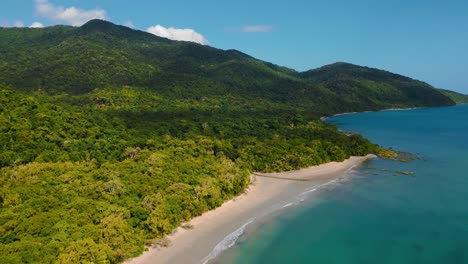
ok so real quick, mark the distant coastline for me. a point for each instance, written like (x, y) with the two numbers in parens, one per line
(323, 118)
(219, 229)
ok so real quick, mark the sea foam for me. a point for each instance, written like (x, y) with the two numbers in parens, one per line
(229, 241)
(315, 188)
(288, 205)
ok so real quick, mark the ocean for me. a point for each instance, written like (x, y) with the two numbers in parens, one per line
(380, 215)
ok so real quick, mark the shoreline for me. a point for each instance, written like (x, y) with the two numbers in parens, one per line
(323, 118)
(218, 229)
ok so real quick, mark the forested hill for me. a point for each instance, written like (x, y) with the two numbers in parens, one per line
(111, 137)
(100, 54)
(456, 97)
(375, 88)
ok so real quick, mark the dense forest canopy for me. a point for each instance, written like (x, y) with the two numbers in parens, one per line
(77, 60)
(456, 97)
(111, 137)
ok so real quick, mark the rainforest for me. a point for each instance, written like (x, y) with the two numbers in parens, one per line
(112, 137)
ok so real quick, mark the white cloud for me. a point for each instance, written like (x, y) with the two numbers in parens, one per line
(185, 34)
(129, 24)
(70, 15)
(36, 25)
(257, 29)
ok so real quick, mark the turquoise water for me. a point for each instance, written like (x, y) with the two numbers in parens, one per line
(380, 216)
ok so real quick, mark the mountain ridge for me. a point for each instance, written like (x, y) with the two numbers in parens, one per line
(101, 54)
(111, 138)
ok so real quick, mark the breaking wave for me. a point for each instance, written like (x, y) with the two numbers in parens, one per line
(227, 242)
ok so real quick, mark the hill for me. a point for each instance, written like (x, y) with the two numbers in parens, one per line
(372, 88)
(100, 54)
(112, 137)
(456, 97)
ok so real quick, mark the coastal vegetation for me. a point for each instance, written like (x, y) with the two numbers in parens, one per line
(110, 137)
(456, 97)
(82, 181)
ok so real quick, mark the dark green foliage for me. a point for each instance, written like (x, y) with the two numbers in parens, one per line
(374, 89)
(111, 137)
(100, 54)
(456, 97)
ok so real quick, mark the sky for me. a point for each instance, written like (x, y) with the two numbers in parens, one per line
(426, 40)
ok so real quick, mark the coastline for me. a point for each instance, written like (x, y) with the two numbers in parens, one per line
(218, 229)
(323, 118)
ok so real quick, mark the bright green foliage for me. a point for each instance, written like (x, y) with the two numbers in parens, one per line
(91, 177)
(68, 211)
(111, 137)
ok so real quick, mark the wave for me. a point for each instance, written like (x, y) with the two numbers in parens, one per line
(229, 241)
(328, 183)
(315, 188)
(350, 169)
(309, 191)
(288, 205)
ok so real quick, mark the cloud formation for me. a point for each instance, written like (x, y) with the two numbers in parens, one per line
(185, 34)
(69, 15)
(257, 29)
(36, 25)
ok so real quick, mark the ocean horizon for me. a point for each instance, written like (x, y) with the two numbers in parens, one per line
(388, 211)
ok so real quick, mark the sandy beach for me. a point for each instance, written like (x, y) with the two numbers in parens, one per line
(218, 229)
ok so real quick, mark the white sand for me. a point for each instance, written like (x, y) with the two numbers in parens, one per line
(323, 171)
(265, 195)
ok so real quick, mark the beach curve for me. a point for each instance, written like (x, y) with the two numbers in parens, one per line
(219, 229)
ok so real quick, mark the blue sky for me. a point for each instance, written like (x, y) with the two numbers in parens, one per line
(426, 40)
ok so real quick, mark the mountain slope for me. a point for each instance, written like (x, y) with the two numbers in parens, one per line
(456, 97)
(111, 137)
(100, 54)
(374, 88)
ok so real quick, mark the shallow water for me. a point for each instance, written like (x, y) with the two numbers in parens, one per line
(380, 216)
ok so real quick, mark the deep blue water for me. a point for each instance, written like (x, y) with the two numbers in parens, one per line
(380, 216)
